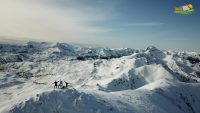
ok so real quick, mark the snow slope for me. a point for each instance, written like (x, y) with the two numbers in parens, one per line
(102, 80)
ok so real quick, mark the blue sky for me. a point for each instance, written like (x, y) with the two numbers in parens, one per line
(111, 23)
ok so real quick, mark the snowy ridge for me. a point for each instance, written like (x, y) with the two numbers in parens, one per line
(102, 80)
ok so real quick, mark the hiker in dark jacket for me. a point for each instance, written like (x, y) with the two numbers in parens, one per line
(66, 83)
(56, 84)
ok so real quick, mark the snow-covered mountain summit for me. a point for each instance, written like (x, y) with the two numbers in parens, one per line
(102, 80)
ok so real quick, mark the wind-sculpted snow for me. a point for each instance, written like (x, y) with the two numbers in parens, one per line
(63, 102)
(139, 77)
(102, 80)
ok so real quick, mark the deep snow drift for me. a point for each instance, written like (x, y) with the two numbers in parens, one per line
(102, 80)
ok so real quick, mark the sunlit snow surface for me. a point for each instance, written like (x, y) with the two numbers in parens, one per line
(102, 80)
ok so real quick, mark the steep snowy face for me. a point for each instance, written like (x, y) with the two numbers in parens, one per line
(101, 79)
(65, 49)
(154, 52)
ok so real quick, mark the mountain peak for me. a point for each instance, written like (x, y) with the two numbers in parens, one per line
(152, 48)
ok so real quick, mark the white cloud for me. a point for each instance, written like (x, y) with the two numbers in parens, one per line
(145, 24)
(44, 20)
(99, 30)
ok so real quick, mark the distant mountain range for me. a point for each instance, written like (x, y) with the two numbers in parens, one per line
(101, 80)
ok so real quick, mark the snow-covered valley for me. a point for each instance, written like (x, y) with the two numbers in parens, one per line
(102, 80)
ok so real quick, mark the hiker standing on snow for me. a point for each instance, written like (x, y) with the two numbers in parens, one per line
(66, 83)
(56, 84)
(61, 84)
